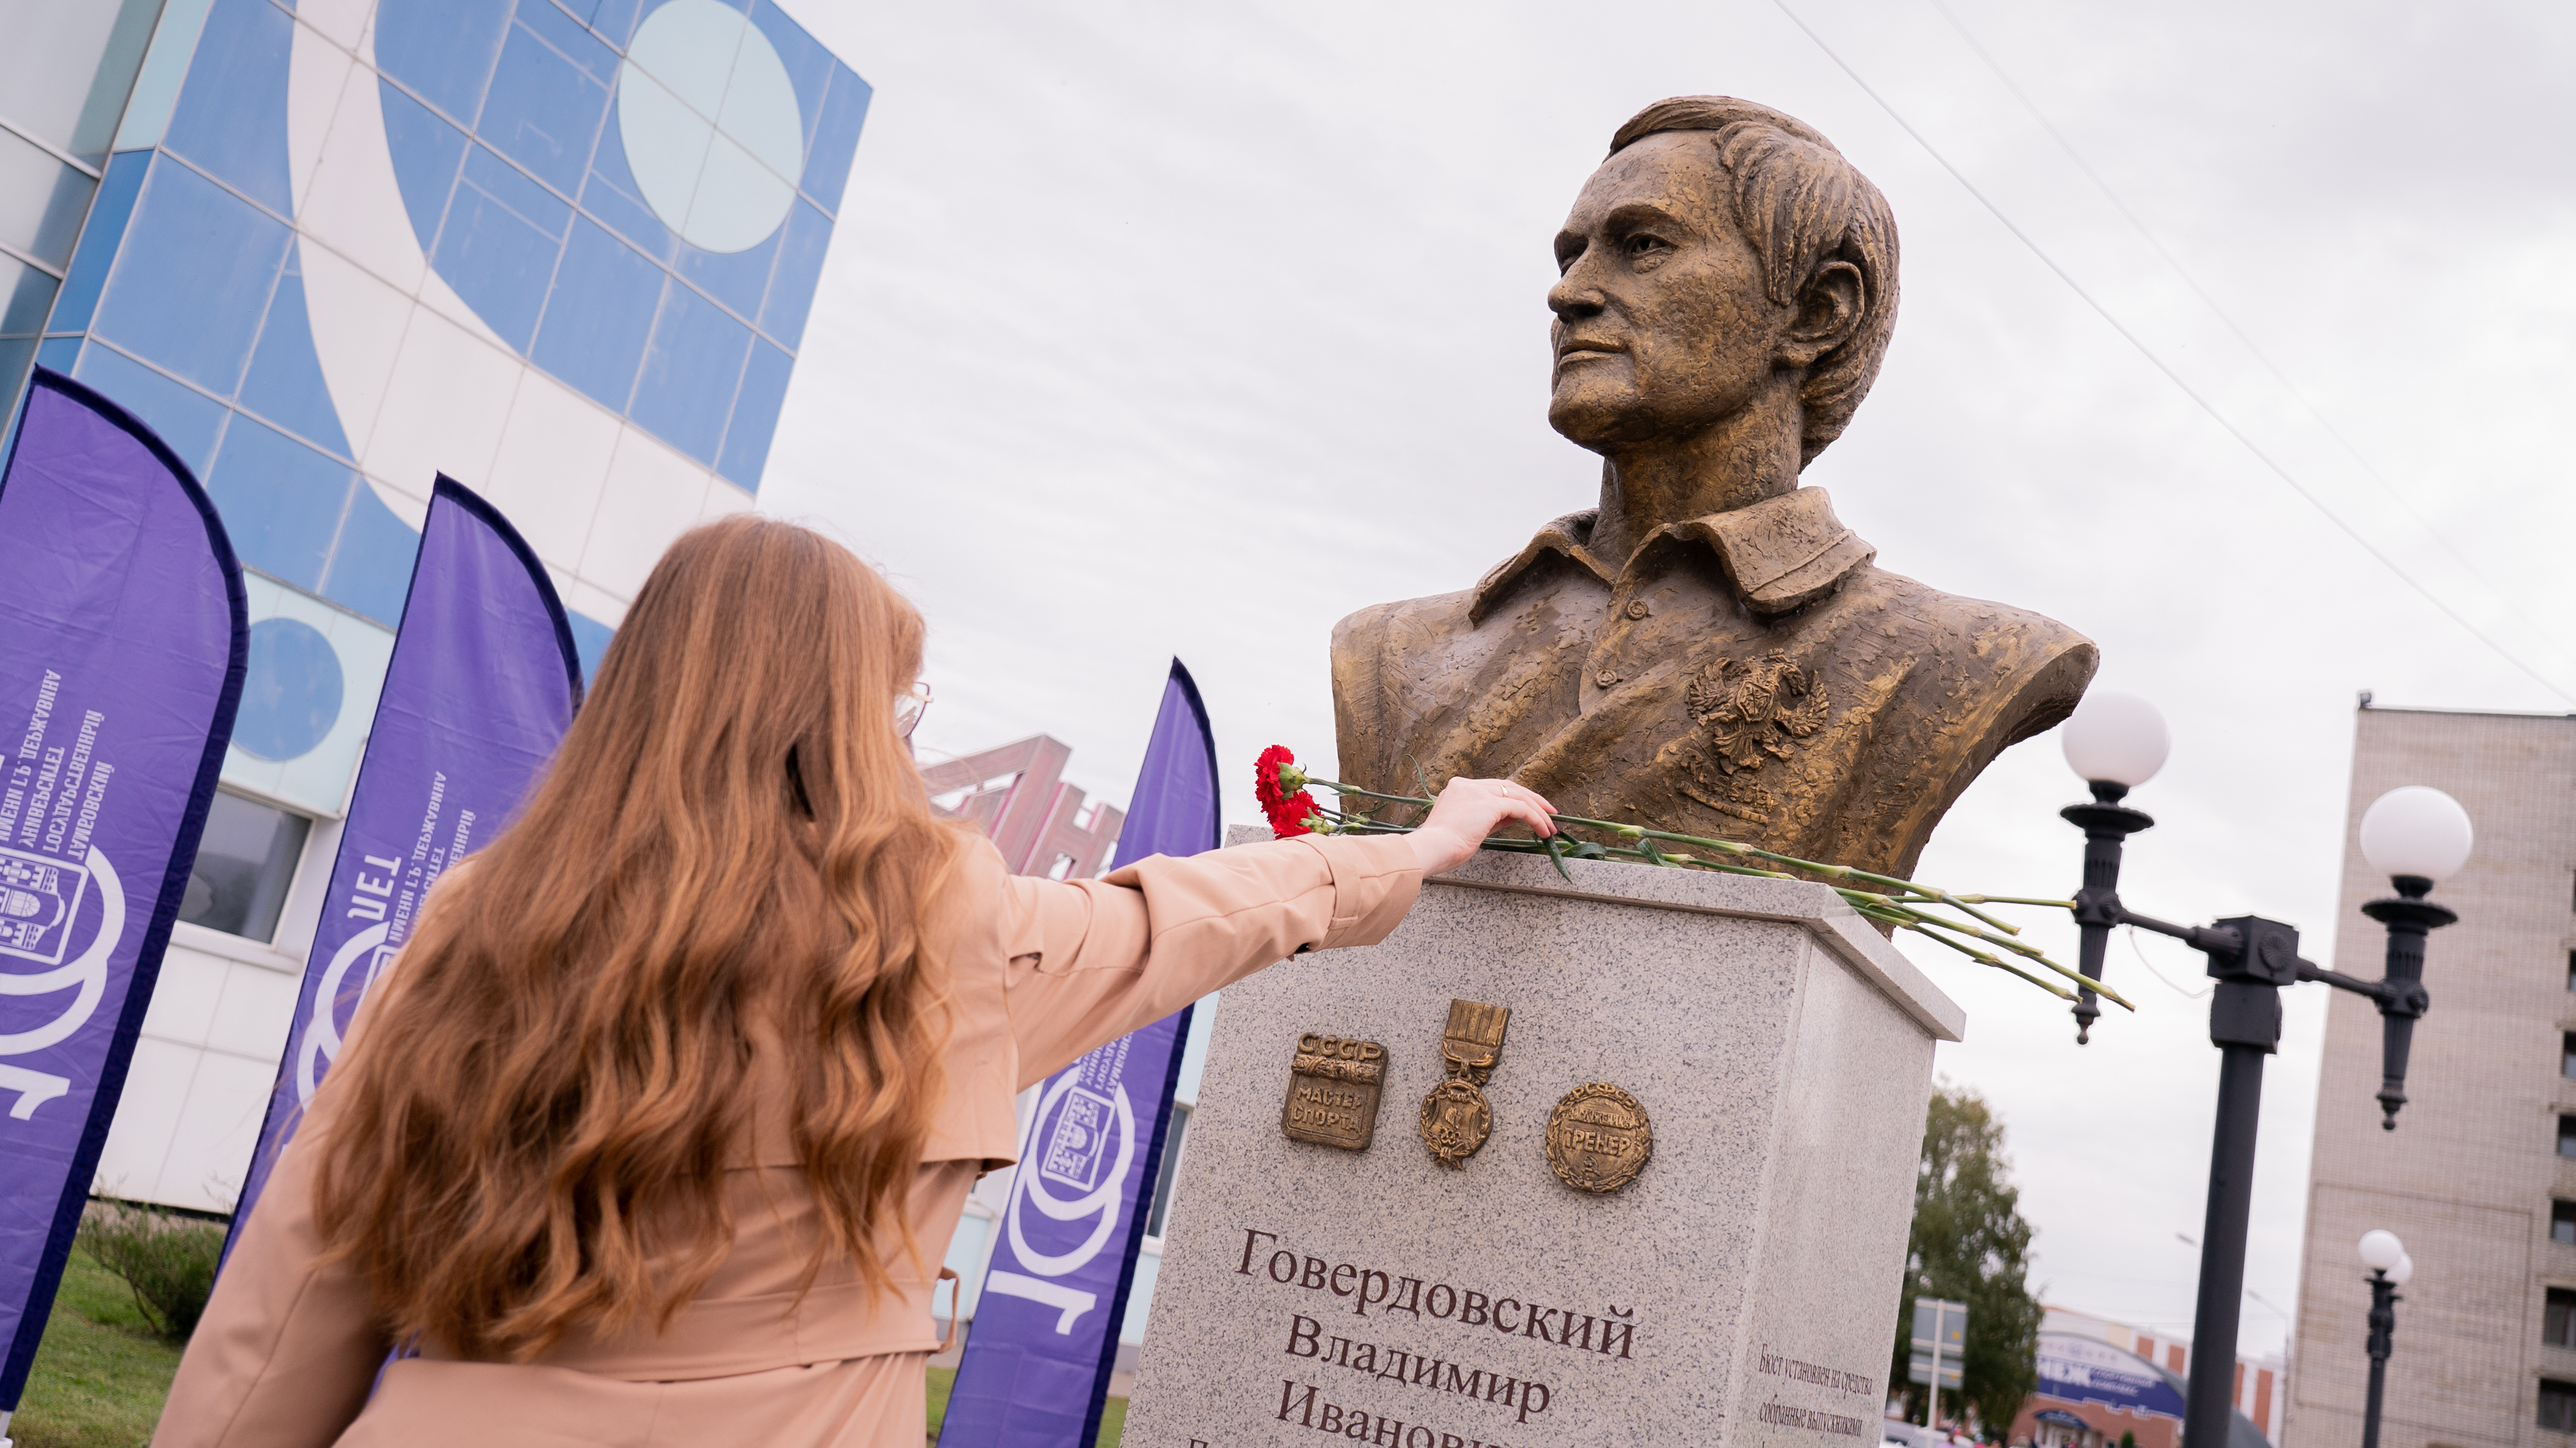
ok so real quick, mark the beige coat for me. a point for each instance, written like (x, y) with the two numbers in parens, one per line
(1045, 971)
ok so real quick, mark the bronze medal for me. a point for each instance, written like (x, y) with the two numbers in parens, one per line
(1333, 1088)
(1598, 1138)
(1456, 1118)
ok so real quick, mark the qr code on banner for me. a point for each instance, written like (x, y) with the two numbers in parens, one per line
(1078, 1149)
(38, 898)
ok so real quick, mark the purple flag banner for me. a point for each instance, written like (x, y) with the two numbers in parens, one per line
(482, 684)
(1036, 1367)
(123, 641)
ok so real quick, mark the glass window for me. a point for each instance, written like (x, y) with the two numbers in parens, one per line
(1154, 1220)
(2571, 970)
(2567, 1136)
(2562, 1222)
(69, 65)
(42, 202)
(2558, 1405)
(2558, 1319)
(244, 864)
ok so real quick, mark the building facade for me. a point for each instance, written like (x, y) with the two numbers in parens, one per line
(2103, 1382)
(2479, 1178)
(562, 251)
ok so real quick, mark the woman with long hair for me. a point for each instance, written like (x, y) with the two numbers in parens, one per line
(656, 1130)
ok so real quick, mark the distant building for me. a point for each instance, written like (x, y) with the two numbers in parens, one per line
(560, 250)
(2479, 1178)
(2100, 1380)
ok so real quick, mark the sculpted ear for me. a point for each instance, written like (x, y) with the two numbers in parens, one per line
(1829, 311)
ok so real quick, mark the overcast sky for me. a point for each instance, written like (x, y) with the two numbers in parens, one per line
(1157, 330)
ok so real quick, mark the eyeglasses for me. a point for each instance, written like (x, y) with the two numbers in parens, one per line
(909, 706)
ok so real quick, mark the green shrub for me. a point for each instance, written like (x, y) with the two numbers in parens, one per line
(167, 1260)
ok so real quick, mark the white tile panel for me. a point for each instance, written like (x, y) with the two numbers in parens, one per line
(147, 1119)
(317, 77)
(342, 22)
(358, 325)
(444, 408)
(597, 602)
(351, 202)
(552, 468)
(256, 1010)
(723, 498)
(414, 511)
(185, 998)
(660, 495)
(218, 1127)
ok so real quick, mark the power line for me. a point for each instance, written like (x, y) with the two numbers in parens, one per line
(2159, 363)
(2148, 235)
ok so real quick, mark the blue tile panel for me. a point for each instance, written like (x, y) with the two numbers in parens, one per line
(192, 281)
(100, 235)
(590, 640)
(281, 501)
(600, 315)
(502, 119)
(231, 119)
(285, 382)
(188, 420)
(370, 569)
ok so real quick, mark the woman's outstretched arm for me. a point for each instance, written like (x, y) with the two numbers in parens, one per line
(1092, 960)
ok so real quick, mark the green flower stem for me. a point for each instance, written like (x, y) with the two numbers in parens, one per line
(1732, 847)
(1935, 922)
(1897, 902)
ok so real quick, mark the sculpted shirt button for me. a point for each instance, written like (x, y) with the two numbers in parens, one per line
(1637, 608)
(1606, 677)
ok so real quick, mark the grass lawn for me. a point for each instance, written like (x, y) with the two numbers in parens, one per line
(100, 1374)
(1113, 1414)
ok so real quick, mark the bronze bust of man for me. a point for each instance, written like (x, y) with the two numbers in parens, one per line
(1710, 650)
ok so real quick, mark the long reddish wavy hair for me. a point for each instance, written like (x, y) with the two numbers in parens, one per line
(535, 1114)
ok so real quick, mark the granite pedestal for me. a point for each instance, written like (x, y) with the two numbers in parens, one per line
(1741, 1290)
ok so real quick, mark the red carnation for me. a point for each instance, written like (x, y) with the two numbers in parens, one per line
(1288, 811)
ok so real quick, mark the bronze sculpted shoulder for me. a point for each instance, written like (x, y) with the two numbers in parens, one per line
(1710, 649)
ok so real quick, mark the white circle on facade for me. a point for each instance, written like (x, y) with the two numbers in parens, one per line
(710, 124)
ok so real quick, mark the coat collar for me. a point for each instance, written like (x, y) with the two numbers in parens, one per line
(1780, 554)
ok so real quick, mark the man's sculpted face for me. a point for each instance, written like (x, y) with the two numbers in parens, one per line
(1662, 328)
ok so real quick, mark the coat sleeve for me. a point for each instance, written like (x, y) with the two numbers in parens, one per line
(1091, 960)
(287, 1350)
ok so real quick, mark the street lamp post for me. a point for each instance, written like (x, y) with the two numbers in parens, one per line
(2415, 835)
(2389, 1266)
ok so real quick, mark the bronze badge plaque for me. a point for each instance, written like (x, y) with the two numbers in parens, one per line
(1598, 1138)
(1456, 1117)
(1333, 1088)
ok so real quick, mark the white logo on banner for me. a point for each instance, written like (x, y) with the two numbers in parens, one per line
(322, 1033)
(1075, 1154)
(40, 901)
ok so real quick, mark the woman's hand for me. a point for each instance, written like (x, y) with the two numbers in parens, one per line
(1466, 812)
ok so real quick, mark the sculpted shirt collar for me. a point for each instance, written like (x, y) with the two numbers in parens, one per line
(1780, 554)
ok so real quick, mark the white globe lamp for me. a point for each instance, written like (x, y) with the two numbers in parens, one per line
(2115, 742)
(2380, 1249)
(2416, 833)
(2404, 1269)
